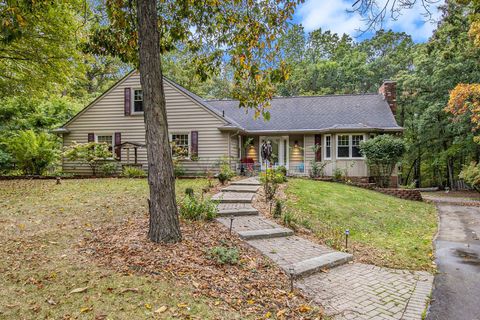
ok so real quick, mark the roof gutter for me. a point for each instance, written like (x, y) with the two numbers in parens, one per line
(306, 131)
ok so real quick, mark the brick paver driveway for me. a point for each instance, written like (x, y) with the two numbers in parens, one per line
(362, 291)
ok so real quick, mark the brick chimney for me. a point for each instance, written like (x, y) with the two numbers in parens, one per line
(388, 90)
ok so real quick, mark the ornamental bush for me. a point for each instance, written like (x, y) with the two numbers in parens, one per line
(382, 152)
(92, 153)
(33, 153)
(193, 208)
(224, 255)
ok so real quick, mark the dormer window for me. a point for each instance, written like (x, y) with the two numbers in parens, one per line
(137, 101)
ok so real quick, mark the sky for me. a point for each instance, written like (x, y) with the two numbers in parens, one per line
(332, 15)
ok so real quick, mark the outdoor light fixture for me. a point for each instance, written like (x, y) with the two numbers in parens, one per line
(296, 144)
(231, 222)
(347, 233)
(291, 272)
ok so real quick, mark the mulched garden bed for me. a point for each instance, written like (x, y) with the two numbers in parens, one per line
(254, 287)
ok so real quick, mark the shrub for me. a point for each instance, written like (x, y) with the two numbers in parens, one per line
(226, 173)
(282, 170)
(317, 169)
(193, 208)
(5, 161)
(92, 153)
(178, 169)
(224, 255)
(189, 192)
(133, 172)
(270, 180)
(338, 174)
(222, 177)
(277, 212)
(382, 152)
(288, 219)
(471, 174)
(109, 168)
(33, 152)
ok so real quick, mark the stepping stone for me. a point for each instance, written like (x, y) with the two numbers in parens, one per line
(248, 181)
(237, 212)
(236, 209)
(241, 188)
(313, 265)
(234, 197)
(265, 233)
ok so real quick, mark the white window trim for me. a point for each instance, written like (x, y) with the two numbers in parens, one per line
(325, 147)
(189, 141)
(132, 102)
(350, 145)
(113, 141)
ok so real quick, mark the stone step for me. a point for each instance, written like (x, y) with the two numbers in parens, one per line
(234, 197)
(237, 212)
(249, 181)
(241, 188)
(265, 233)
(313, 265)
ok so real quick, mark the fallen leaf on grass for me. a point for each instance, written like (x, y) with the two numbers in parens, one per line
(182, 305)
(129, 290)
(281, 312)
(51, 302)
(86, 309)
(304, 308)
(78, 290)
(162, 309)
(148, 306)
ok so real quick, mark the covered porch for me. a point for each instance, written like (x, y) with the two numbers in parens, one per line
(288, 151)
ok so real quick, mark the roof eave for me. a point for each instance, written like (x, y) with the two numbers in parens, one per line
(308, 131)
(60, 130)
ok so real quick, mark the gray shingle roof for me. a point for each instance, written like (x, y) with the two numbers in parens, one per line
(315, 113)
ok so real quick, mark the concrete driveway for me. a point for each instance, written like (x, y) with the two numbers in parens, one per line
(456, 293)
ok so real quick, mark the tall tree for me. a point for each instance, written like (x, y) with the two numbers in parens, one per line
(243, 32)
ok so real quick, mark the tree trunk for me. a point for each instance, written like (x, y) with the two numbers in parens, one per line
(164, 225)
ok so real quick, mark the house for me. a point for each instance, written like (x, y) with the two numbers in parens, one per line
(210, 130)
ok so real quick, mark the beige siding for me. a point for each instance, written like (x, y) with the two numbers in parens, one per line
(296, 154)
(353, 167)
(106, 116)
(309, 154)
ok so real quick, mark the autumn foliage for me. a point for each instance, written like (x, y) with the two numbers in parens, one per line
(465, 100)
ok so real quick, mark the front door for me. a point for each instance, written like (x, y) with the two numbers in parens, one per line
(279, 151)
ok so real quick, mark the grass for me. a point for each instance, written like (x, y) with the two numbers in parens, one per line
(384, 230)
(40, 225)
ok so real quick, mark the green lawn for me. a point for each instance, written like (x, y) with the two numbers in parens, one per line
(40, 225)
(384, 230)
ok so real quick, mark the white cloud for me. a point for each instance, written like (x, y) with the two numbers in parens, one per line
(332, 15)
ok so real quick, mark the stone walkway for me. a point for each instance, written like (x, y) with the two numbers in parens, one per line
(346, 290)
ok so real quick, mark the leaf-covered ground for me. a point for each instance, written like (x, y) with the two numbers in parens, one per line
(79, 251)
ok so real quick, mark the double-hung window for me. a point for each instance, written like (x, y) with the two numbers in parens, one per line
(107, 139)
(343, 146)
(348, 146)
(180, 144)
(328, 147)
(137, 106)
(356, 140)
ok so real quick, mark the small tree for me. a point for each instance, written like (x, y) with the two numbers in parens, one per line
(92, 153)
(33, 152)
(383, 153)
